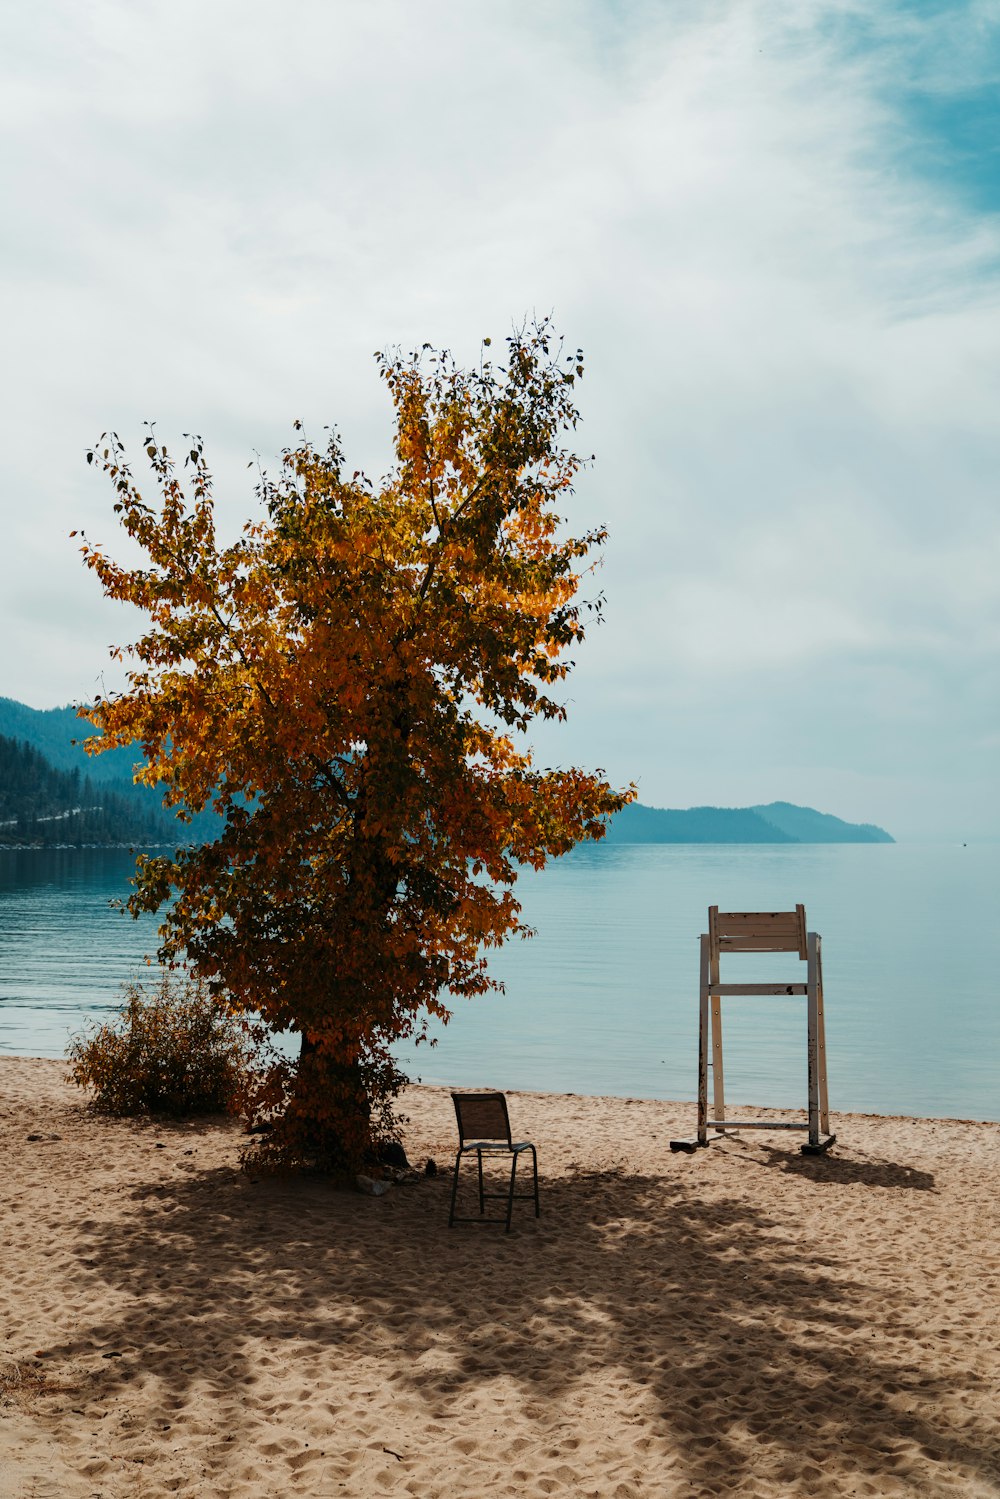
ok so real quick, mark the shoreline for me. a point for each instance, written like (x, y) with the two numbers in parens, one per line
(742, 1321)
(759, 1110)
(736, 1109)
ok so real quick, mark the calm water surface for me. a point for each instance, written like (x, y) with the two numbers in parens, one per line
(604, 998)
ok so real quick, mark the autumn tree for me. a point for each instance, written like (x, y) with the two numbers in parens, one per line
(349, 684)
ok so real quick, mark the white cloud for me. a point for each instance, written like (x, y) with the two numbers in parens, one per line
(218, 212)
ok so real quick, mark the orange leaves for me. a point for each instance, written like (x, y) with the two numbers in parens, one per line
(346, 682)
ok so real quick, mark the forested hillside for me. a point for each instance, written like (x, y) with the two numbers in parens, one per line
(41, 805)
(52, 731)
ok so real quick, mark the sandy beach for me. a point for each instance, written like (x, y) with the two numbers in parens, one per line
(740, 1321)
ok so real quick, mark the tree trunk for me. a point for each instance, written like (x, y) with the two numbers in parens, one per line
(332, 1109)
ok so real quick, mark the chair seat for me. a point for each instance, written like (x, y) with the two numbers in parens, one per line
(500, 1145)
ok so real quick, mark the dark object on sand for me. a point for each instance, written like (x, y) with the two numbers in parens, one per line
(391, 1153)
(431, 1167)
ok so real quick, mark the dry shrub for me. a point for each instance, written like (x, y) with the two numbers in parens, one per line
(172, 1049)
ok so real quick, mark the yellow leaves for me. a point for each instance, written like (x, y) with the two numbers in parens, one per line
(347, 682)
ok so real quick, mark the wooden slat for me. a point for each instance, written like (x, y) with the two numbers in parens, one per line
(734, 990)
(775, 942)
(760, 928)
(741, 919)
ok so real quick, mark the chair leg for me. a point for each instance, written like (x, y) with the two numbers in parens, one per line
(482, 1200)
(534, 1160)
(454, 1190)
(510, 1195)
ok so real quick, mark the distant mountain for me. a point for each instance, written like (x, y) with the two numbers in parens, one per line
(52, 732)
(779, 822)
(808, 826)
(42, 806)
(639, 824)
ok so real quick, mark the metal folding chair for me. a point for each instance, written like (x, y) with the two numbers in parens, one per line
(484, 1129)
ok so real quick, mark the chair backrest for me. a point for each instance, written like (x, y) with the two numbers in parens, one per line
(757, 931)
(481, 1116)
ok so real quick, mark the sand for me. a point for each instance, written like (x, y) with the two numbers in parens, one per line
(740, 1321)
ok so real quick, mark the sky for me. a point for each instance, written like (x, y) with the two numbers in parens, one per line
(773, 227)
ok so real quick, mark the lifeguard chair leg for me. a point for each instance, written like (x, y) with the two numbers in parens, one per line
(718, 1078)
(824, 1101)
(812, 1047)
(703, 1047)
(816, 1058)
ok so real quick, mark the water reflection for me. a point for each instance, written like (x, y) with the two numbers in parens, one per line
(64, 950)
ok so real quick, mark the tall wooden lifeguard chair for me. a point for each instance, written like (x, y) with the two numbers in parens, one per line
(760, 931)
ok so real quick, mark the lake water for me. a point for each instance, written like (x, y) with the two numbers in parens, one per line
(604, 999)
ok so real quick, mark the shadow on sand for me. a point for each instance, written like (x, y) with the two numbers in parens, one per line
(740, 1340)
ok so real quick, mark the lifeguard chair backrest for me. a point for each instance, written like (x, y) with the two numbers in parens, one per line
(757, 931)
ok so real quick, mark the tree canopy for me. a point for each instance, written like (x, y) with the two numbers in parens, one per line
(349, 684)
